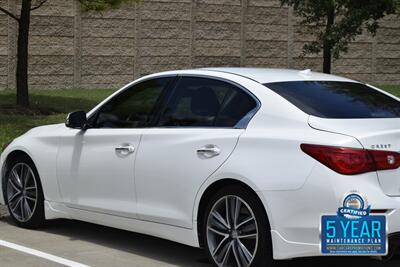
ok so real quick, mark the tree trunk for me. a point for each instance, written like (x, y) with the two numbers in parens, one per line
(22, 54)
(327, 59)
(328, 45)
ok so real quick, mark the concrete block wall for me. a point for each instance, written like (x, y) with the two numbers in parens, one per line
(73, 49)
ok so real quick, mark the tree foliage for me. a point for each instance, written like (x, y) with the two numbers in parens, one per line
(335, 23)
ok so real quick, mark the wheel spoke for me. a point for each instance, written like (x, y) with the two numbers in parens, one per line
(13, 202)
(31, 193)
(217, 231)
(30, 188)
(27, 177)
(22, 207)
(16, 179)
(223, 241)
(245, 222)
(248, 229)
(227, 211)
(14, 186)
(14, 207)
(30, 198)
(237, 212)
(226, 253)
(10, 199)
(22, 175)
(245, 251)
(235, 254)
(248, 236)
(241, 255)
(219, 220)
(28, 210)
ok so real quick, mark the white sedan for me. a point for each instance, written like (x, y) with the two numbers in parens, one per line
(240, 161)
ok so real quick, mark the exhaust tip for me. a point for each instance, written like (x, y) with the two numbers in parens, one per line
(381, 211)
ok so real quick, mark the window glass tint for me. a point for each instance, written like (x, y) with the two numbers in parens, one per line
(342, 100)
(132, 108)
(236, 105)
(201, 102)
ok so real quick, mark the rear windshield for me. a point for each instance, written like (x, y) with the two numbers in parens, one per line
(337, 100)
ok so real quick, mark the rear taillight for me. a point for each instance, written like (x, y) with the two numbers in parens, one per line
(351, 161)
(385, 160)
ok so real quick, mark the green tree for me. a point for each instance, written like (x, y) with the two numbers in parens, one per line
(335, 23)
(23, 21)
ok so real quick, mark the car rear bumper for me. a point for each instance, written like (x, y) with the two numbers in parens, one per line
(287, 249)
(295, 215)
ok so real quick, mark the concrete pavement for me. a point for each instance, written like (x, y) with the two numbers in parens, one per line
(95, 245)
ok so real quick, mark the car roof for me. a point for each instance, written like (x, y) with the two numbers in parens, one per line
(264, 75)
(260, 75)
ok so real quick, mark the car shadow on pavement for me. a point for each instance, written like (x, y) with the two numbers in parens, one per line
(173, 253)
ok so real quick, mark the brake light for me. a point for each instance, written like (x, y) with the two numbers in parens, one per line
(385, 160)
(351, 161)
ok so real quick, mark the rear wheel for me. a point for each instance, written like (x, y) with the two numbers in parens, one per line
(236, 229)
(24, 193)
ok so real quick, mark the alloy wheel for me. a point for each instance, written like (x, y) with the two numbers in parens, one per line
(232, 232)
(22, 192)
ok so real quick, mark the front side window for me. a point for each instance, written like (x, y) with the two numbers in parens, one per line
(134, 107)
(337, 100)
(202, 102)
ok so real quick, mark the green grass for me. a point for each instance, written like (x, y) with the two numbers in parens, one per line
(393, 89)
(58, 103)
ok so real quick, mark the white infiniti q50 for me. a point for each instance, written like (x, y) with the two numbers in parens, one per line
(240, 161)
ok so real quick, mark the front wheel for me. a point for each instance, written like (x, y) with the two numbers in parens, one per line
(24, 193)
(236, 229)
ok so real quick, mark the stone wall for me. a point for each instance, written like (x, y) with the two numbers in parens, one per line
(69, 48)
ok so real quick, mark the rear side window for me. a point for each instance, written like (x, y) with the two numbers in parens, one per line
(337, 100)
(202, 102)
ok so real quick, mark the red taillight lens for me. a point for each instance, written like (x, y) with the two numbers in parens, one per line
(351, 161)
(385, 160)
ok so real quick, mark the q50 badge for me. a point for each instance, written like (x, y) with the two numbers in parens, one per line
(353, 231)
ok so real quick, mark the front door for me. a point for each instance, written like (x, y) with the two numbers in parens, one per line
(95, 167)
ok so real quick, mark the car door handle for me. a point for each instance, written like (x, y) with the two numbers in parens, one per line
(209, 151)
(125, 149)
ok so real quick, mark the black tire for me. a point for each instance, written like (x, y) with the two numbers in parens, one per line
(263, 249)
(36, 218)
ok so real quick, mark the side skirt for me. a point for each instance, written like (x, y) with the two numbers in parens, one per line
(55, 210)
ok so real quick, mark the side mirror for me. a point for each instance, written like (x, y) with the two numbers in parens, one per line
(76, 120)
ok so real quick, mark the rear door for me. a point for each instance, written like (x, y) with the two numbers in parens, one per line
(95, 168)
(195, 133)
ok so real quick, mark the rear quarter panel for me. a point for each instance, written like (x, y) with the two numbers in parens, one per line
(268, 152)
(272, 159)
(268, 156)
